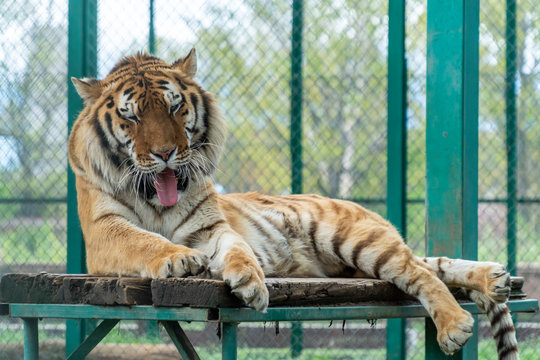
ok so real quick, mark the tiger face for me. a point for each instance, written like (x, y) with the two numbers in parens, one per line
(159, 127)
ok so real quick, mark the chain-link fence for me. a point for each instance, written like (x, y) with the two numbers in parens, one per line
(244, 51)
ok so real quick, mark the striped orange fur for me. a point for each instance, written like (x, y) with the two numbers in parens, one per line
(143, 151)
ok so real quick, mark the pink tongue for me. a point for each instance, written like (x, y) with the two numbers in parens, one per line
(166, 187)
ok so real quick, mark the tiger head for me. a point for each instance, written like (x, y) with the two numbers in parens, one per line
(148, 127)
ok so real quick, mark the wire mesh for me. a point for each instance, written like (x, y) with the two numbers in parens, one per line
(244, 51)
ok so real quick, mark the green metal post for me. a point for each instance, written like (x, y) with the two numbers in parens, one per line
(297, 341)
(151, 31)
(82, 61)
(297, 57)
(229, 341)
(452, 139)
(296, 97)
(396, 175)
(511, 134)
(31, 339)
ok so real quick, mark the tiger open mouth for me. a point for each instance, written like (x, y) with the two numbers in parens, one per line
(165, 184)
(166, 187)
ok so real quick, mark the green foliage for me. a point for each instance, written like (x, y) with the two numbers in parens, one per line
(33, 241)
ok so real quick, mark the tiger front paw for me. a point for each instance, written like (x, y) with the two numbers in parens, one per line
(246, 279)
(453, 333)
(181, 261)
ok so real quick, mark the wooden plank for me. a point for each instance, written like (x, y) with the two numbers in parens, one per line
(107, 291)
(31, 288)
(291, 292)
(192, 292)
(96, 290)
(74, 289)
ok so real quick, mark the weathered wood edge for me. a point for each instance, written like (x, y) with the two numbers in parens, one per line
(206, 293)
(74, 289)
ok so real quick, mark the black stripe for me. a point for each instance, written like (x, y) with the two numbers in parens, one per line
(97, 171)
(503, 331)
(313, 227)
(382, 259)
(121, 85)
(498, 316)
(192, 239)
(105, 216)
(110, 104)
(508, 351)
(411, 283)
(129, 90)
(206, 106)
(192, 212)
(105, 143)
(287, 234)
(339, 238)
(108, 119)
(181, 83)
(194, 102)
(361, 245)
(258, 227)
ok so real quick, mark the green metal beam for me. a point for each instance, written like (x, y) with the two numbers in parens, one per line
(350, 312)
(396, 173)
(296, 96)
(452, 139)
(511, 134)
(180, 340)
(137, 312)
(146, 312)
(93, 339)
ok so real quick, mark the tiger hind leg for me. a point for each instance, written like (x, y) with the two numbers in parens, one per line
(489, 278)
(488, 285)
(380, 252)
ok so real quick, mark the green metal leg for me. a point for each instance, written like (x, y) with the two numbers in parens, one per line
(180, 340)
(396, 348)
(297, 343)
(31, 339)
(93, 339)
(229, 341)
(433, 351)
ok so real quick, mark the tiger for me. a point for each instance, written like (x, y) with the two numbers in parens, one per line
(144, 150)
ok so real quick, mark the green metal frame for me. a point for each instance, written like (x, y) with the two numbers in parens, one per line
(82, 61)
(396, 173)
(296, 96)
(452, 140)
(511, 134)
(151, 30)
(296, 132)
(229, 317)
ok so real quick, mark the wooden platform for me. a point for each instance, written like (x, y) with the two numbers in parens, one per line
(47, 288)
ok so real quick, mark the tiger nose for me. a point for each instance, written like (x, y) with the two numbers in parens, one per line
(164, 154)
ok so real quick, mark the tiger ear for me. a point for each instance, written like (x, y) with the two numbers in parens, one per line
(89, 89)
(187, 64)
